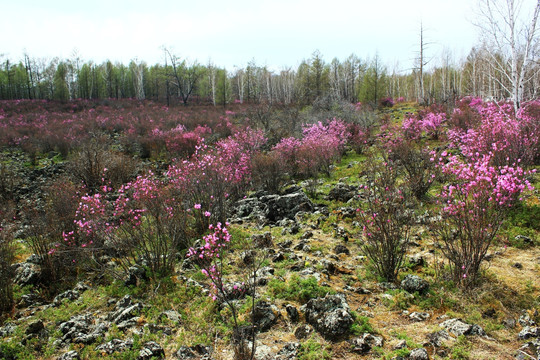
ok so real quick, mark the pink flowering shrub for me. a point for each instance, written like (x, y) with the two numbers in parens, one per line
(430, 123)
(145, 221)
(386, 216)
(359, 137)
(501, 136)
(474, 204)
(211, 259)
(320, 147)
(414, 160)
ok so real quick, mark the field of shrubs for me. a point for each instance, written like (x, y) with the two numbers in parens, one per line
(129, 230)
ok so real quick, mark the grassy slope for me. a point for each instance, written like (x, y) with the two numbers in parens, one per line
(507, 291)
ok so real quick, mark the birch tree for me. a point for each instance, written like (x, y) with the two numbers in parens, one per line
(510, 34)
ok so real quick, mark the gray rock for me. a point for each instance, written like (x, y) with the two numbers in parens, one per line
(172, 315)
(69, 295)
(70, 355)
(525, 320)
(115, 345)
(265, 315)
(532, 348)
(35, 327)
(136, 273)
(262, 241)
(458, 327)
(31, 299)
(330, 316)
(341, 249)
(509, 323)
(288, 352)
(414, 283)
(263, 352)
(419, 354)
(365, 343)
(7, 329)
(200, 352)
(438, 338)
(82, 329)
(303, 331)
(125, 310)
(525, 239)
(419, 316)
(292, 312)
(342, 192)
(529, 332)
(27, 274)
(150, 350)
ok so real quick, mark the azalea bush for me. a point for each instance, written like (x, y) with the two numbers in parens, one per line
(474, 204)
(153, 217)
(386, 215)
(320, 147)
(502, 136)
(211, 259)
(413, 157)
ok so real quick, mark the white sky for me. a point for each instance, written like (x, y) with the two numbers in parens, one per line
(276, 33)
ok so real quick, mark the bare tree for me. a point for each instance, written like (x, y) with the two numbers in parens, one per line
(185, 76)
(509, 39)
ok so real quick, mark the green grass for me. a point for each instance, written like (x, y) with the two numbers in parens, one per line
(313, 349)
(297, 289)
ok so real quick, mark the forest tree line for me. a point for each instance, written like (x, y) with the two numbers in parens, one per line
(179, 80)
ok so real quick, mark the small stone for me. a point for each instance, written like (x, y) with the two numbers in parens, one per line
(419, 354)
(419, 316)
(529, 332)
(70, 355)
(509, 323)
(35, 327)
(303, 331)
(365, 343)
(292, 313)
(414, 283)
(437, 338)
(151, 350)
(341, 249)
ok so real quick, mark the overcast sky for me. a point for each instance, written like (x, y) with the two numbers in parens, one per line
(276, 33)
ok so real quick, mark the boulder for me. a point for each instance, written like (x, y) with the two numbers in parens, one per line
(419, 316)
(330, 316)
(82, 329)
(438, 338)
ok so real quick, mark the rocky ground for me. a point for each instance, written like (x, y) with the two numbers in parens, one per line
(317, 296)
